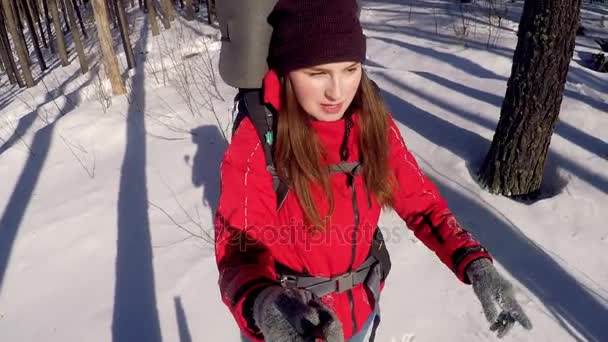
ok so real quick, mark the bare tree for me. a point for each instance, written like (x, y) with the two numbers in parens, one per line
(152, 17)
(124, 32)
(210, 11)
(30, 25)
(63, 54)
(82, 57)
(47, 19)
(189, 10)
(105, 41)
(168, 9)
(11, 24)
(79, 16)
(33, 8)
(6, 54)
(547, 31)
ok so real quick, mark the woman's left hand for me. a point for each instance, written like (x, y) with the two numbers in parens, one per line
(493, 290)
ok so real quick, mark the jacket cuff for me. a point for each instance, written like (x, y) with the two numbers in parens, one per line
(244, 307)
(463, 257)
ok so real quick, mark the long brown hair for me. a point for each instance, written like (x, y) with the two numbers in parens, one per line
(298, 154)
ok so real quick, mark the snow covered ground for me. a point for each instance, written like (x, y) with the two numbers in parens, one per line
(105, 211)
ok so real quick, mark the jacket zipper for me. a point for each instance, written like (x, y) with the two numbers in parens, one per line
(351, 184)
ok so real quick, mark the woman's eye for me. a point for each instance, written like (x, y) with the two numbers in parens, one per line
(317, 73)
(351, 70)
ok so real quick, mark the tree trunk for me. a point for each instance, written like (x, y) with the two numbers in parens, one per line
(110, 6)
(19, 43)
(189, 10)
(7, 55)
(17, 16)
(32, 29)
(164, 18)
(84, 65)
(79, 16)
(110, 61)
(47, 19)
(65, 15)
(33, 7)
(124, 33)
(547, 31)
(63, 54)
(210, 11)
(168, 9)
(152, 18)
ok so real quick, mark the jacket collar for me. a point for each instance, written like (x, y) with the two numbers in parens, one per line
(272, 90)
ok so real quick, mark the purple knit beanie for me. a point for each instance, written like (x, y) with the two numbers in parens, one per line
(313, 32)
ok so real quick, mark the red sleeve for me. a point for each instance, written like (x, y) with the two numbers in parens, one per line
(247, 201)
(426, 213)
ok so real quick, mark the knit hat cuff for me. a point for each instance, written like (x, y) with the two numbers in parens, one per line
(333, 48)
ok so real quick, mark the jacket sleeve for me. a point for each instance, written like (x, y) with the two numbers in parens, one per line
(247, 203)
(426, 213)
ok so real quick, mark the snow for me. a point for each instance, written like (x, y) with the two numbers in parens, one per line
(105, 210)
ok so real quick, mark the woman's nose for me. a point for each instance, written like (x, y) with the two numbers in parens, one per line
(334, 90)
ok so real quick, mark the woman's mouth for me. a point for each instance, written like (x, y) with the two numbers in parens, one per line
(331, 108)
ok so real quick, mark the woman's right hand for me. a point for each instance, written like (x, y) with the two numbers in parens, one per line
(288, 315)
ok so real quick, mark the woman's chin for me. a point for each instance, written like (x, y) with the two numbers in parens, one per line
(328, 117)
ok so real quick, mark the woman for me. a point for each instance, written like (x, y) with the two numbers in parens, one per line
(307, 268)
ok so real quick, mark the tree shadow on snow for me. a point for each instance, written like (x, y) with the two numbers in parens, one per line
(480, 71)
(27, 121)
(457, 62)
(472, 147)
(587, 75)
(563, 129)
(17, 204)
(574, 306)
(439, 38)
(182, 322)
(135, 315)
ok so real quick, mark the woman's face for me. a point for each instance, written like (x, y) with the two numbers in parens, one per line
(326, 91)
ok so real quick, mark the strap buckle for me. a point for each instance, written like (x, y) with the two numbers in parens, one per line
(344, 282)
(288, 281)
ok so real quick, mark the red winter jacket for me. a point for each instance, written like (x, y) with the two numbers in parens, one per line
(252, 236)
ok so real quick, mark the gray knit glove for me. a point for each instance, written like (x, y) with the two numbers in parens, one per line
(293, 315)
(492, 290)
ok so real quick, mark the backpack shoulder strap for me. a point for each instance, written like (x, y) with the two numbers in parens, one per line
(251, 105)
